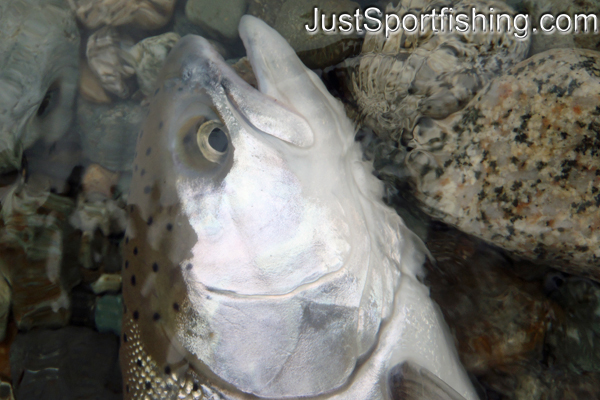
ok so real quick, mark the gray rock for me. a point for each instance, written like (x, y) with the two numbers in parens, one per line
(317, 50)
(66, 364)
(109, 132)
(218, 18)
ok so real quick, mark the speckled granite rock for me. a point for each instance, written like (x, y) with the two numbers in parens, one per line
(217, 18)
(318, 50)
(109, 132)
(66, 364)
(267, 10)
(519, 165)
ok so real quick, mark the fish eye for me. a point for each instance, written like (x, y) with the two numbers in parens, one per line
(213, 140)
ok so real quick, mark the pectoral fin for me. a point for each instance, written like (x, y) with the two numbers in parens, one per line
(409, 381)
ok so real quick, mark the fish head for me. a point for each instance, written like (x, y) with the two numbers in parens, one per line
(249, 255)
(39, 69)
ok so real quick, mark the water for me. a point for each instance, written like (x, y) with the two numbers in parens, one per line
(522, 309)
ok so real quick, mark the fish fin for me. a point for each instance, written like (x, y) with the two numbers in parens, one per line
(410, 381)
(268, 115)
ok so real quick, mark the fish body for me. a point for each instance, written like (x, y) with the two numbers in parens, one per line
(39, 48)
(260, 261)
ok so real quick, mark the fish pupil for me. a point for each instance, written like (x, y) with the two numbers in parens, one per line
(218, 140)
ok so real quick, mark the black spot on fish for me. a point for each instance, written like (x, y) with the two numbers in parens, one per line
(156, 91)
(126, 239)
(148, 385)
(135, 251)
(156, 316)
(150, 220)
(155, 267)
(139, 362)
(189, 266)
(169, 227)
(147, 189)
(126, 264)
(135, 168)
(127, 388)
(125, 338)
(175, 306)
(132, 280)
(136, 315)
(142, 172)
(148, 151)
(160, 125)
(167, 370)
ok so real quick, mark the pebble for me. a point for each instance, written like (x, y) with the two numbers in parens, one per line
(107, 283)
(90, 87)
(104, 52)
(109, 313)
(147, 58)
(144, 14)
(99, 183)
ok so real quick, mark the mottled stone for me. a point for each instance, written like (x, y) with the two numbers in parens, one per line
(518, 166)
(145, 14)
(318, 50)
(397, 80)
(147, 58)
(217, 18)
(109, 132)
(66, 364)
(105, 59)
(33, 237)
(90, 87)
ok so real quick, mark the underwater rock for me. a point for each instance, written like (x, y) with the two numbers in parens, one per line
(33, 237)
(39, 43)
(105, 55)
(217, 18)
(144, 14)
(107, 283)
(5, 298)
(108, 132)
(101, 222)
(267, 10)
(575, 339)
(99, 183)
(497, 319)
(397, 80)
(244, 69)
(318, 50)
(543, 41)
(518, 166)
(6, 391)
(65, 364)
(109, 314)
(90, 87)
(147, 58)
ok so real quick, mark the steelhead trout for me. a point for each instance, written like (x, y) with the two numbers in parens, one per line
(259, 259)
